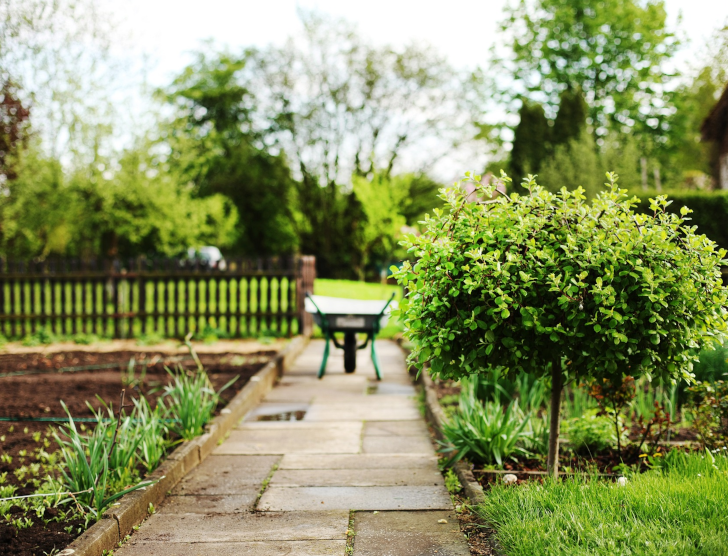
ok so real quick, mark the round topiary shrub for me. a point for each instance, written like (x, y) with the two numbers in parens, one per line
(554, 285)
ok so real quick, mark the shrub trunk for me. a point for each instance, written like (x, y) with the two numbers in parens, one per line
(557, 385)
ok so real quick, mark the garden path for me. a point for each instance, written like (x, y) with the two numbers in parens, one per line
(359, 461)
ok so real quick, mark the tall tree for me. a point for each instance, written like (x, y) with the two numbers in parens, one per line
(531, 141)
(570, 121)
(140, 207)
(616, 51)
(59, 52)
(14, 129)
(217, 145)
(690, 158)
(341, 107)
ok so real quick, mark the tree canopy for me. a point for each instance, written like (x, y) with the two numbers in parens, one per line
(615, 51)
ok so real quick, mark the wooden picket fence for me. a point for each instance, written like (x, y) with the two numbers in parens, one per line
(169, 297)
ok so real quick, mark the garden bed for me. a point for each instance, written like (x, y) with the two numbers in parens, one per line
(28, 444)
(608, 462)
(674, 510)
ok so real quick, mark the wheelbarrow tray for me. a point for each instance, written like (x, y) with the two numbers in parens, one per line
(348, 315)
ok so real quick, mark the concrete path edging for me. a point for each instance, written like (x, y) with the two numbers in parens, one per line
(436, 417)
(118, 522)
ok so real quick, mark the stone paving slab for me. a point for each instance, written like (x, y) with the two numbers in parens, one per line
(268, 409)
(255, 526)
(395, 428)
(362, 412)
(357, 461)
(260, 548)
(397, 445)
(408, 534)
(233, 503)
(307, 499)
(356, 477)
(264, 437)
(389, 388)
(304, 389)
(224, 475)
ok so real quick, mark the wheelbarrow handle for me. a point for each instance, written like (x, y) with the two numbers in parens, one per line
(387, 305)
(308, 294)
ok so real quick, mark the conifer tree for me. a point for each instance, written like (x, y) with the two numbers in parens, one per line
(570, 121)
(531, 141)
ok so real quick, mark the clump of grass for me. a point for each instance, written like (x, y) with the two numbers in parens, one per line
(41, 337)
(211, 334)
(150, 339)
(84, 339)
(678, 510)
(91, 469)
(485, 432)
(153, 444)
(190, 400)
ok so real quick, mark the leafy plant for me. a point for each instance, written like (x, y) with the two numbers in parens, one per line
(551, 285)
(152, 444)
(86, 468)
(150, 339)
(85, 339)
(211, 334)
(710, 413)
(590, 433)
(6, 491)
(190, 400)
(41, 337)
(485, 432)
(613, 395)
(577, 401)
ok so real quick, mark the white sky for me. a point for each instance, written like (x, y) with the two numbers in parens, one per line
(167, 30)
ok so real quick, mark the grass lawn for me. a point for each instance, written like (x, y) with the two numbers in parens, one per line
(683, 511)
(352, 289)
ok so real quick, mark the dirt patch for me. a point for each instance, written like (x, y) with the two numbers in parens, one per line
(52, 378)
(168, 346)
(38, 539)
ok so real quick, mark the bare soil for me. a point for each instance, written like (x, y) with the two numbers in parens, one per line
(51, 377)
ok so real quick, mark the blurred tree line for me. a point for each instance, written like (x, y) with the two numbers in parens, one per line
(595, 89)
(326, 145)
(321, 146)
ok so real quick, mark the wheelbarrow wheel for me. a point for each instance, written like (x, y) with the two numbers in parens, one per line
(349, 352)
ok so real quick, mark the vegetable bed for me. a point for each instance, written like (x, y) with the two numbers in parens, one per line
(30, 460)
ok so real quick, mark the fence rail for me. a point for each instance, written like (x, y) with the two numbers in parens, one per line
(167, 297)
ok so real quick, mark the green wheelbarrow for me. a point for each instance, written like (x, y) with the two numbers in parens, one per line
(350, 316)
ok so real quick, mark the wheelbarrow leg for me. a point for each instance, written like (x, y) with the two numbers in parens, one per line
(322, 370)
(374, 359)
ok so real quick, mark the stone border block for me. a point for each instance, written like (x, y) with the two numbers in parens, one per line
(436, 418)
(97, 538)
(132, 509)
